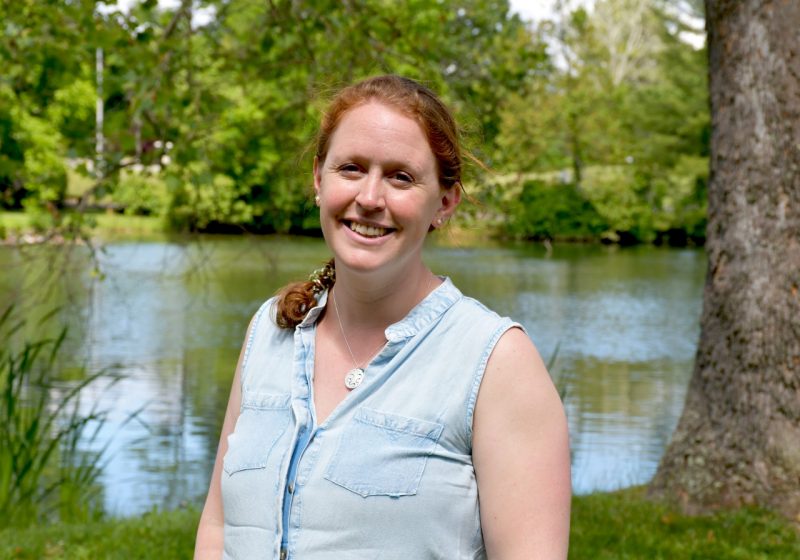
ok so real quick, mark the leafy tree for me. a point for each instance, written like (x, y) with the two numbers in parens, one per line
(37, 84)
(623, 107)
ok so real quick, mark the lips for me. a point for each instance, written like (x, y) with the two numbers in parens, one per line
(367, 230)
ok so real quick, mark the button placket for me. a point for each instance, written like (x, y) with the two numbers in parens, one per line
(302, 395)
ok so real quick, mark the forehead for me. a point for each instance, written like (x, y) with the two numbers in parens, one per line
(376, 130)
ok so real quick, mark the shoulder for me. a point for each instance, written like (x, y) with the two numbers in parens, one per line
(518, 398)
(507, 341)
(470, 312)
(515, 373)
(515, 348)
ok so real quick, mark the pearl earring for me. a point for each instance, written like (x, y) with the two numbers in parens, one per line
(316, 200)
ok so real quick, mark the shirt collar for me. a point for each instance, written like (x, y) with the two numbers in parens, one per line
(312, 316)
(422, 315)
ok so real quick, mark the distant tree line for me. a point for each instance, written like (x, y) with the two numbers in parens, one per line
(594, 124)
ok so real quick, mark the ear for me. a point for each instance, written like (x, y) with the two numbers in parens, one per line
(450, 199)
(317, 175)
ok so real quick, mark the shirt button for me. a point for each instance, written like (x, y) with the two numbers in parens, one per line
(283, 554)
(291, 488)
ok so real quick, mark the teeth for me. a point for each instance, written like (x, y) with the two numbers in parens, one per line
(367, 231)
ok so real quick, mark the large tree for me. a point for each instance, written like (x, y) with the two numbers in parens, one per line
(738, 441)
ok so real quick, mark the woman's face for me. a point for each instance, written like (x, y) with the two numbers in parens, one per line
(379, 190)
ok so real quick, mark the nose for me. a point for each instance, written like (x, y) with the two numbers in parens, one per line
(370, 193)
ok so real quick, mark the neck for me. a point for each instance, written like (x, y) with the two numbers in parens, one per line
(366, 304)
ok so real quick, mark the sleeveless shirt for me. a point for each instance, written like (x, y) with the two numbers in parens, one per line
(389, 473)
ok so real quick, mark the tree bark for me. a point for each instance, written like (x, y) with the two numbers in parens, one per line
(738, 440)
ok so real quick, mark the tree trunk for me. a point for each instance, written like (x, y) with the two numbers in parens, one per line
(738, 440)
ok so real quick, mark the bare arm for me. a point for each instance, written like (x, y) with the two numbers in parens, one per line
(521, 455)
(209, 543)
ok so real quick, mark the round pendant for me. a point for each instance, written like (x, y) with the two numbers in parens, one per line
(354, 378)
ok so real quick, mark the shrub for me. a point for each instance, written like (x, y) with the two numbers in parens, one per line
(553, 211)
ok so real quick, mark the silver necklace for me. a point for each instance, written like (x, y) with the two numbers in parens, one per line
(355, 376)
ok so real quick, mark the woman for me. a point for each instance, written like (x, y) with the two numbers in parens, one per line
(373, 405)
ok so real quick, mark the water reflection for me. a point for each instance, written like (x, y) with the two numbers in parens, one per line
(170, 318)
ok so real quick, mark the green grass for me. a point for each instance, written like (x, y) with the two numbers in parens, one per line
(105, 226)
(623, 525)
(155, 535)
(114, 226)
(15, 221)
(618, 525)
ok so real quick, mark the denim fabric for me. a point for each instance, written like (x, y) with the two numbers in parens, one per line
(389, 473)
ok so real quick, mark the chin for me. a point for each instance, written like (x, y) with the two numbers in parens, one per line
(361, 264)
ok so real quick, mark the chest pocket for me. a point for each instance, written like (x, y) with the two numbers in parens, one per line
(262, 420)
(382, 454)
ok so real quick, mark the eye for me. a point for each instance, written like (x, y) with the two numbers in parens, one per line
(349, 169)
(402, 177)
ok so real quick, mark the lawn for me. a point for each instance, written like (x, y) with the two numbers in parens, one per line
(624, 525)
(618, 525)
(104, 226)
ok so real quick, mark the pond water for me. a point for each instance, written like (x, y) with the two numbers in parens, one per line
(619, 326)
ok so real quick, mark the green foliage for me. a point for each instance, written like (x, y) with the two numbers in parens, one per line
(616, 194)
(553, 211)
(31, 159)
(625, 111)
(223, 113)
(72, 113)
(141, 194)
(272, 68)
(45, 473)
(200, 199)
(615, 204)
(37, 95)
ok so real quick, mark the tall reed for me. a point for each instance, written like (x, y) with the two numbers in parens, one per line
(45, 474)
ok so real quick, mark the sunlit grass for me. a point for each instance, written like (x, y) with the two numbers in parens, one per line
(14, 222)
(120, 226)
(155, 535)
(107, 226)
(625, 525)
(615, 525)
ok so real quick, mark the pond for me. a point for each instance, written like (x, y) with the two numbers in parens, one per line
(618, 325)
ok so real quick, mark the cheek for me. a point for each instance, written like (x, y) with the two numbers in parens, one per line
(418, 212)
(333, 195)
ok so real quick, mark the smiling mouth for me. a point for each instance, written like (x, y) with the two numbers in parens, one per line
(367, 231)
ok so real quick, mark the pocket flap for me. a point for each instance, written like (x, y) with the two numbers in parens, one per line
(397, 423)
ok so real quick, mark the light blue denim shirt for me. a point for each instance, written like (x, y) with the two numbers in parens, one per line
(389, 473)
